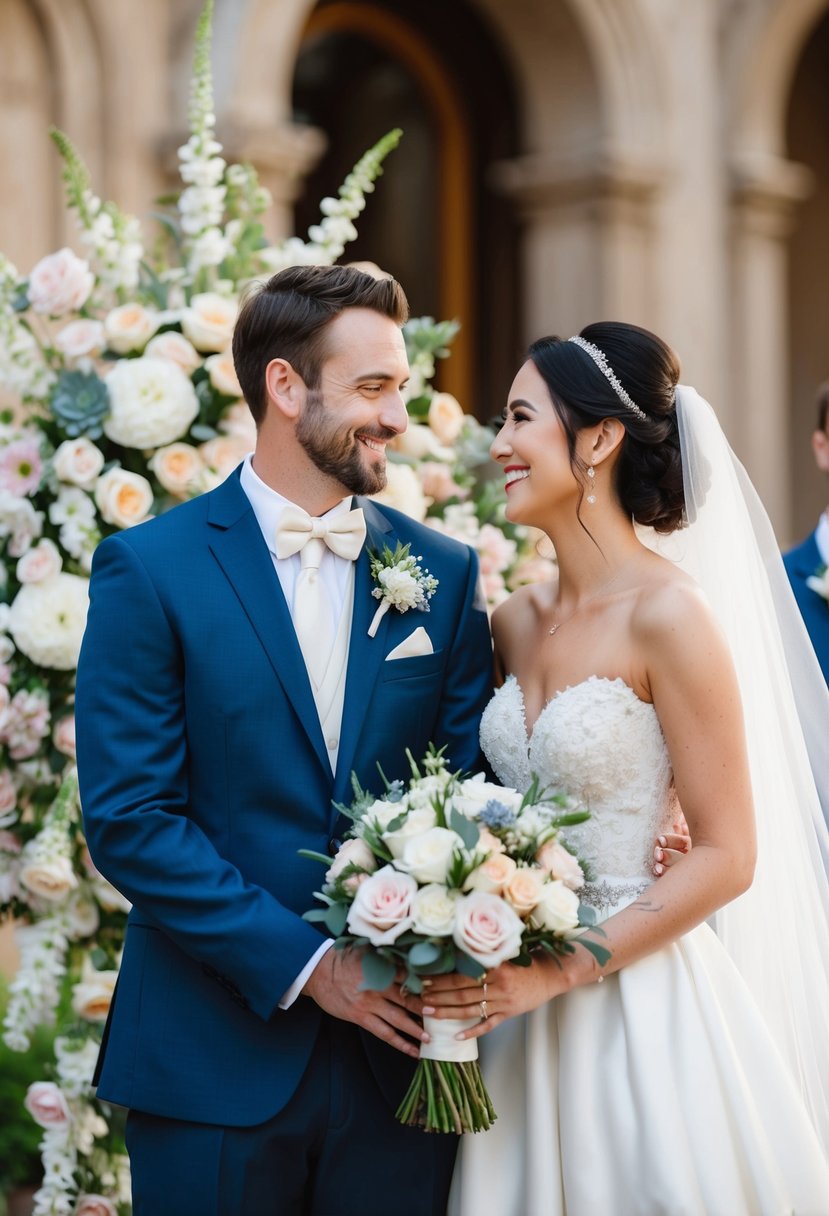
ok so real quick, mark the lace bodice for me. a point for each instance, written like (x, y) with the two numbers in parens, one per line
(599, 742)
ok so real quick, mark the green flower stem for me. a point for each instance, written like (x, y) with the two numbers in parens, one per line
(447, 1097)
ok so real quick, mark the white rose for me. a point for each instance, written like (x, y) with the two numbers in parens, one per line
(129, 328)
(175, 347)
(556, 860)
(523, 891)
(557, 910)
(42, 561)
(382, 907)
(92, 997)
(152, 402)
(487, 929)
(492, 876)
(428, 856)
(403, 491)
(416, 823)
(433, 910)
(209, 321)
(80, 338)
(50, 880)
(78, 461)
(222, 374)
(60, 283)
(400, 587)
(178, 467)
(475, 793)
(419, 442)
(352, 852)
(381, 813)
(446, 417)
(47, 1105)
(123, 498)
(47, 620)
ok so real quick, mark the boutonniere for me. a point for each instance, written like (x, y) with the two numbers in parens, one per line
(819, 582)
(401, 583)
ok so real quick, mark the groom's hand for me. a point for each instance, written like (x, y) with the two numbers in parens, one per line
(335, 985)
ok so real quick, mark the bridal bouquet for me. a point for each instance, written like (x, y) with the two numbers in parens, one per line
(452, 874)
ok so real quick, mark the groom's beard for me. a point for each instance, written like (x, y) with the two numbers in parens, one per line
(337, 451)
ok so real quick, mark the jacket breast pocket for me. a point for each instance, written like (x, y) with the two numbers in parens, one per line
(417, 665)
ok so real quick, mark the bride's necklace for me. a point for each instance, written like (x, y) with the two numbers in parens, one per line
(604, 587)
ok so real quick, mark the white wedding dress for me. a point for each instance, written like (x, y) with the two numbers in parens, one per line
(658, 1092)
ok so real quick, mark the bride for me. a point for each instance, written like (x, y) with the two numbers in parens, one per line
(689, 1074)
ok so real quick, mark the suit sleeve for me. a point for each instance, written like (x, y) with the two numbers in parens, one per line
(467, 686)
(133, 772)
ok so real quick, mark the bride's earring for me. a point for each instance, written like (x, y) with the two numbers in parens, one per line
(591, 473)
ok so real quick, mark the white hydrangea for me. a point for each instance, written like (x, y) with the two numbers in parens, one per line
(152, 402)
(48, 619)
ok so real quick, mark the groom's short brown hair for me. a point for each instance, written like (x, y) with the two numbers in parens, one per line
(288, 316)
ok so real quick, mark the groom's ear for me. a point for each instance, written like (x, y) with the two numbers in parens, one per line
(285, 388)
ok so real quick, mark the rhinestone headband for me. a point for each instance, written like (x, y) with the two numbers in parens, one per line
(600, 359)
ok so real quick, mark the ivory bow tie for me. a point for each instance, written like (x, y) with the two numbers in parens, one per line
(343, 535)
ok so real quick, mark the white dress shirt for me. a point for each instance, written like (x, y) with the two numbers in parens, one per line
(268, 504)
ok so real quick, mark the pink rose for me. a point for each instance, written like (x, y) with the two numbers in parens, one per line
(438, 482)
(80, 338)
(60, 283)
(47, 1105)
(487, 929)
(63, 736)
(78, 461)
(8, 794)
(382, 907)
(39, 563)
(94, 1205)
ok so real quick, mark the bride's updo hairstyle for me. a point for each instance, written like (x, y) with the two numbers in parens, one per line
(648, 473)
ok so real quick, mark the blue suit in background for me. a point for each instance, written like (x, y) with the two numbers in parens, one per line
(802, 562)
(203, 771)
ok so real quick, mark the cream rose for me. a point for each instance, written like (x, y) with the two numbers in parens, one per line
(63, 736)
(416, 823)
(123, 498)
(129, 328)
(381, 813)
(557, 910)
(238, 420)
(420, 442)
(492, 876)
(109, 897)
(428, 856)
(47, 1104)
(50, 880)
(179, 468)
(487, 929)
(222, 373)
(94, 1205)
(175, 347)
(152, 402)
(352, 852)
(209, 321)
(60, 283)
(78, 462)
(446, 417)
(433, 910)
(42, 561)
(80, 338)
(47, 620)
(224, 453)
(523, 891)
(556, 860)
(403, 491)
(382, 907)
(92, 997)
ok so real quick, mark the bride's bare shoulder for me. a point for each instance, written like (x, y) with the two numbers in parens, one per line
(671, 608)
(521, 609)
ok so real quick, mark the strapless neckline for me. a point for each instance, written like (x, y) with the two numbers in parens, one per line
(563, 692)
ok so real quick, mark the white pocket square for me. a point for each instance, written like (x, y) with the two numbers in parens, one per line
(416, 643)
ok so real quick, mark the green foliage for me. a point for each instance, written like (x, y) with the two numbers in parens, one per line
(19, 1134)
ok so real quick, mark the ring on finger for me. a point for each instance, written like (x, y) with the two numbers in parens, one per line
(484, 1013)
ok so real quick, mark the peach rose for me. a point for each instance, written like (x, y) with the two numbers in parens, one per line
(78, 462)
(175, 347)
(446, 417)
(222, 374)
(556, 860)
(238, 420)
(222, 454)
(80, 338)
(523, 890)
(51, 880)
(123, 498)
(47, 1104)
(493, 876)
(8, 793)
(92, 997)
(209, 321)
(129, 328)
(178, 467)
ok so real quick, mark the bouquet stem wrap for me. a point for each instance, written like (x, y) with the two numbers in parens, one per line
(447, 1093)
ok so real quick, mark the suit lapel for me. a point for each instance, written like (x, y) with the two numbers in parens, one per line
(365, 654)
(237, 543)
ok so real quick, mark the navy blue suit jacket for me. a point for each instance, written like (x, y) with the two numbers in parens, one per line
(203, 771)
(801, 562)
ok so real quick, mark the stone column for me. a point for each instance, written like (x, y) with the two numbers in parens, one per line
(766, 191)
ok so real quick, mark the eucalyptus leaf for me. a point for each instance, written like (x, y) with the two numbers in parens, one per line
(378, 972)
(335, 919)
(468, 966)
(467, 829)
(424, 953)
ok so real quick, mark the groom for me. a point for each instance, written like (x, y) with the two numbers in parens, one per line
(227, 689)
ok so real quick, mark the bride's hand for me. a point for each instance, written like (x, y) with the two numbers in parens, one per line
(504, 993)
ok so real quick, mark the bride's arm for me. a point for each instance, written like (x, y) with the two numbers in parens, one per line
(694, 690)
